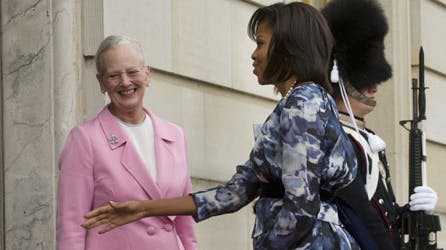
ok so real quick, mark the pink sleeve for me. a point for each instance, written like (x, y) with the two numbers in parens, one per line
(75, 190)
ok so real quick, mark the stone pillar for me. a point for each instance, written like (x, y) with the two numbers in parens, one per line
(2, 179)
(28, 124)
(40, 75)
(67, 87)
(67, 74)
(400, 95)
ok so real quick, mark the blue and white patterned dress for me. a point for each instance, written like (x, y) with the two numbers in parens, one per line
(303, 146)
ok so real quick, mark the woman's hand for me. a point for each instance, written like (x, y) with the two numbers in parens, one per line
(114, 214)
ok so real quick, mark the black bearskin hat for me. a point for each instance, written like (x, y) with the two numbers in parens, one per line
(359, 28)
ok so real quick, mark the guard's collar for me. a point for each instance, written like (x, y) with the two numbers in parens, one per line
(345, 119)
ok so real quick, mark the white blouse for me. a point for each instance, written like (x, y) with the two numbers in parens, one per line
(141, 135)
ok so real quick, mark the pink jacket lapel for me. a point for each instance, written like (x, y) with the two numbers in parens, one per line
(164, 139)
(130, 158)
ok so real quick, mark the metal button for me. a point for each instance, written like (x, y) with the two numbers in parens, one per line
(381, 201)
(386, 213)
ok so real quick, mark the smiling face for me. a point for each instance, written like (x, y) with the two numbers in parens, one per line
(260, 54)
(124, 78)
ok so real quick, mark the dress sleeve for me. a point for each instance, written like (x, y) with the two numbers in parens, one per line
(301, 135)
(241, 189)
(75, 190)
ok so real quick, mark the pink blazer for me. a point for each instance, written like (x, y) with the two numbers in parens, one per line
(99, 164)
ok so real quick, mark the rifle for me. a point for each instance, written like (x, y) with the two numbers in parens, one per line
(418, 230)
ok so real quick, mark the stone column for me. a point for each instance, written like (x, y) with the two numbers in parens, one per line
(398, 95)
(67, 87)
(40, 73)
(67, 68)
(2, 179)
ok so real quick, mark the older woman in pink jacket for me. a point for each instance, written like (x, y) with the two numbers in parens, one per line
(125, 153)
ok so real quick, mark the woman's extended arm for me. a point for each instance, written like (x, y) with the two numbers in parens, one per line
(116, 214)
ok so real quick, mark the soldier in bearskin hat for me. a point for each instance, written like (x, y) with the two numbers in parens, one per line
(359, 66)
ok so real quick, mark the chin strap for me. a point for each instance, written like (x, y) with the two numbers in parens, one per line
(359, 96)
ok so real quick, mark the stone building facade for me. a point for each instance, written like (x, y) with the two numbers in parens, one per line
(202, 80)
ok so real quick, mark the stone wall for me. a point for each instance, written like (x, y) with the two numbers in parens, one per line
(202, 80)
(28, 116)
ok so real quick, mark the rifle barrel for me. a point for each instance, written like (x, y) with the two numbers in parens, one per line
(421, 93)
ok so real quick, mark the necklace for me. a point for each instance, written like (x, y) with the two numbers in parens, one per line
(290, 90)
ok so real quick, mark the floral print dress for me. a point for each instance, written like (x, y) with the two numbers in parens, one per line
(302, 146)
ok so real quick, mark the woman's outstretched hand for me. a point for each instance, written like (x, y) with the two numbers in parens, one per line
(114, 214)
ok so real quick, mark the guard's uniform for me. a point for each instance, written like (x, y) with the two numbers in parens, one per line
(359, 65)
(374, 175)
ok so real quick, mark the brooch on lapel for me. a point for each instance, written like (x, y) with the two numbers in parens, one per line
(113, 139)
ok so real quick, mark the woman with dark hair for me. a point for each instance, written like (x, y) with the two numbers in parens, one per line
(300, 158)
